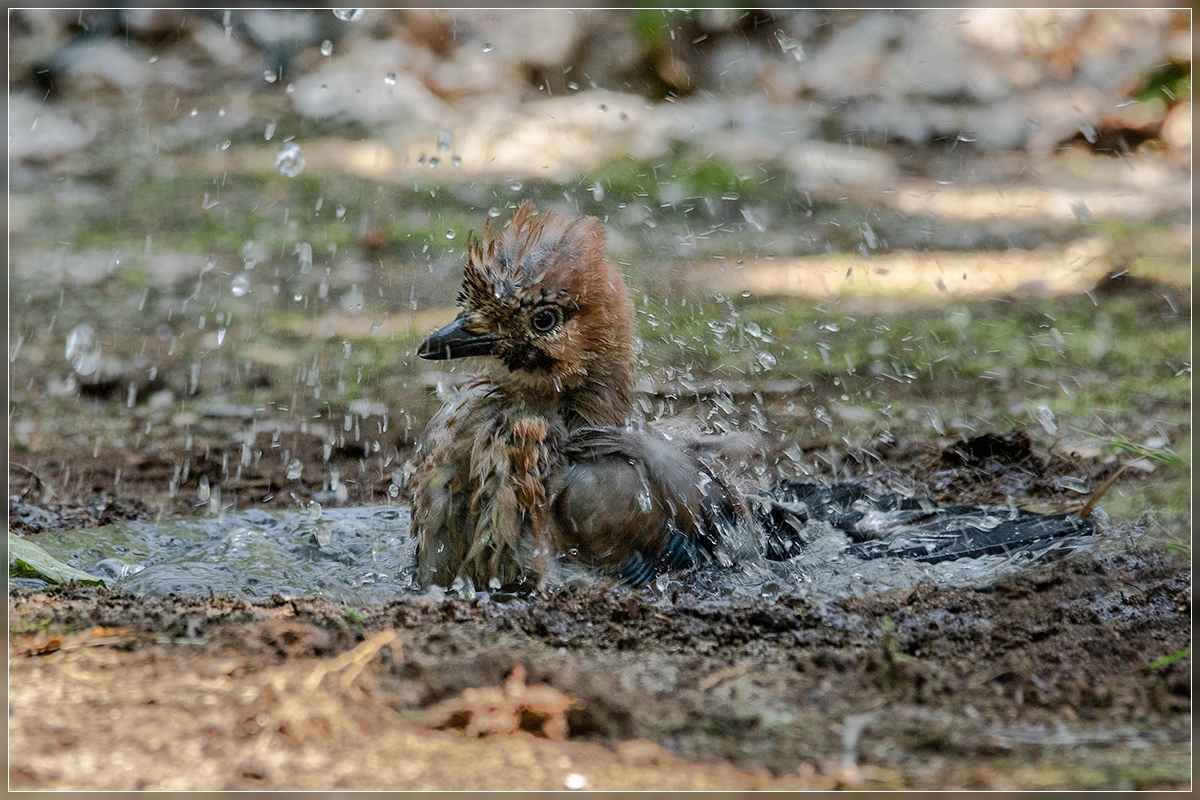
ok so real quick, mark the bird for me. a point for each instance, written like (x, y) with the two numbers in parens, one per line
(538, 468)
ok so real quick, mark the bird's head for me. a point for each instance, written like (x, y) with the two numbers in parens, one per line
(544, 299)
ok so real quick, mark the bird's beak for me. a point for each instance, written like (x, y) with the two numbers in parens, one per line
(455, 341)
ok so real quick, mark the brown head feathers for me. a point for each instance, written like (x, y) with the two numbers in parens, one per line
(545, 300)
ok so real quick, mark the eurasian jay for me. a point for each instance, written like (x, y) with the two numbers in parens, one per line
(535, 468)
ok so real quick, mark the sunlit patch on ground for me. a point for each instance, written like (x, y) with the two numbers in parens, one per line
(930, 278)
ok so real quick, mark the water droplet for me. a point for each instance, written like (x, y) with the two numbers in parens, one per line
(1088, 132)
(289, 160)
(493, 212)
(456, 161)
(220, 336)
(270, 131)
(193, 112)
(574, 781)
(754, 218)
(450, 233)
(225, 144)
(326, 48)
(240, 286)
(294, 468)
(1045, 417)
(515, 185)
(766, 359)
(270, 75)
(868, 234)
(389, 79)
(314, 512)
(790, 45)
(597, 192)
(340, 211)
(83, 349)
(304, 250)
(445, 141)
(435, 162)
(204, 490)
(1073, 484)
(487, 47)
(348, 14)
(353, 300)
(1081, 211)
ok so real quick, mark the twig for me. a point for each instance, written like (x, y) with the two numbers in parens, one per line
(1086, 511)
(38, 484)
(356, 659)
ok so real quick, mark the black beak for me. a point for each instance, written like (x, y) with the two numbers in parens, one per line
(455, 341)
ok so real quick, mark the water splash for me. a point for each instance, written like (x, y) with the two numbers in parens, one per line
(83, 349)
(360, 555)
(290, 160)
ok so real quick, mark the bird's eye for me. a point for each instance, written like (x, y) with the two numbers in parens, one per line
(546, 319)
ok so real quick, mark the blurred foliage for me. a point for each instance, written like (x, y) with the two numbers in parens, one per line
(1172, 82)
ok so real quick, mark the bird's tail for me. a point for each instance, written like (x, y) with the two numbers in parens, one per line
(880, 524)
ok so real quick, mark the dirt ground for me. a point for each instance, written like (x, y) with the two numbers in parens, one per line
(1041, 681)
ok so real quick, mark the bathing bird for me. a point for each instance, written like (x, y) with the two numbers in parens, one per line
(537, 467)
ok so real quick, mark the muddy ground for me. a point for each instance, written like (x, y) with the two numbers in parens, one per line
(1044, 680)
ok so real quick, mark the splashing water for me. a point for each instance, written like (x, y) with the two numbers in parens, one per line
(789, 45)
(83, 349)
(367, 555)
(360, 555)
(289, 160)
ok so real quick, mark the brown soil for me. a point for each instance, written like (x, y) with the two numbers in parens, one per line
(1040, 681)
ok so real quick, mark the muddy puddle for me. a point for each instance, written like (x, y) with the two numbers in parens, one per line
(367, 555)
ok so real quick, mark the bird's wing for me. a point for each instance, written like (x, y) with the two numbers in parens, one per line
(634, 503)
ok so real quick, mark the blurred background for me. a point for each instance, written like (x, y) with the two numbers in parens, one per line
(862, 232)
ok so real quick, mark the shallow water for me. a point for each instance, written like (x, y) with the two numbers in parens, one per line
(366, 555)
(360, 555)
